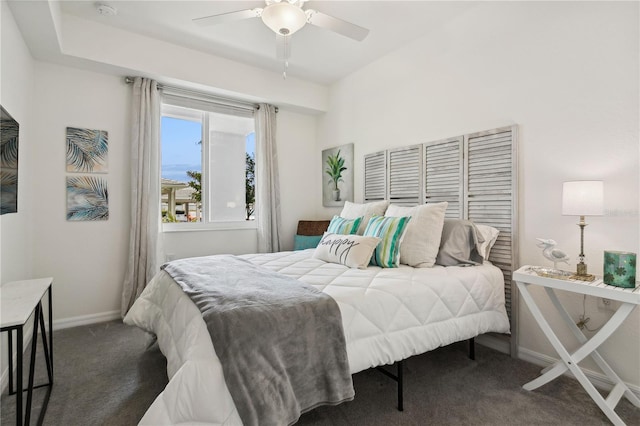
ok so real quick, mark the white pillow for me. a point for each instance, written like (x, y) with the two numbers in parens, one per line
(490, 235)
(353, 251)
(421, 242)
(368, 210)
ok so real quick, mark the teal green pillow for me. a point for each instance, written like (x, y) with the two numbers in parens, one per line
(340, 225)
(303, 242)
(390, 230)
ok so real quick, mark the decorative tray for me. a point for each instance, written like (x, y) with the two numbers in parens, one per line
(552, 273)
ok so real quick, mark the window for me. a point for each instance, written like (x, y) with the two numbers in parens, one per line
(208, 164)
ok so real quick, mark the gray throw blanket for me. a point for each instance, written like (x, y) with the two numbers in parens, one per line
(280, 341)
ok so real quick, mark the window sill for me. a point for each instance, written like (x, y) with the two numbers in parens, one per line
(204, 227)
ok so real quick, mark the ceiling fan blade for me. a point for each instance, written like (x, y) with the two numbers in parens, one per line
(228, 17)
(336, 25)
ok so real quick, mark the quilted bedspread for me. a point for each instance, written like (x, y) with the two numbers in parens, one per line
(387, 315)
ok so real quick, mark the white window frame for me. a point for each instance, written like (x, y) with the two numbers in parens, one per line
(174, 108)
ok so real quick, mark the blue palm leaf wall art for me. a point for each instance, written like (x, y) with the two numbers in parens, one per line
(9, 131)
(87, 150)
(87, 198)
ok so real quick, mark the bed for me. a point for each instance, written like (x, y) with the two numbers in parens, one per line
(388, 315)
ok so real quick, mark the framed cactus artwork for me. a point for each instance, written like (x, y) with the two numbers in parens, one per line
(337, 175)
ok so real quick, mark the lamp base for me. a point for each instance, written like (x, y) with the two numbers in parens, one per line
(581, 273)
(581, 269)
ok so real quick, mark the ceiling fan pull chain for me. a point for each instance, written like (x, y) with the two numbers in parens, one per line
(283, 52)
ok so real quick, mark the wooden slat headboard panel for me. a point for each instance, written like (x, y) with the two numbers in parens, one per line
(490, 198)
(444, 174)
(375, 176)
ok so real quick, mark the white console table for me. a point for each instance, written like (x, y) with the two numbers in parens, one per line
(19, 300)
(629, 298)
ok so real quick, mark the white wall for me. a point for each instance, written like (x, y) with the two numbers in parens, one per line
(299, 182)
(567, 74)
(181, 244)
(86, 259)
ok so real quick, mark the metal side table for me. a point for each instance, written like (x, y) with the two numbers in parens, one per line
(19, 300)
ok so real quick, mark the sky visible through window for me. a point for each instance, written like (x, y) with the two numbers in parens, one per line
(181, 150)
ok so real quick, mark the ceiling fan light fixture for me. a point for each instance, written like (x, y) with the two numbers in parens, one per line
(284, 18)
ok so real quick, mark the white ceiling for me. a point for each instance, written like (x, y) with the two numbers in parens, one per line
(318, 55)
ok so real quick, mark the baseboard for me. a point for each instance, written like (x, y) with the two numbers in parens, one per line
(86, 319)
(599, 380)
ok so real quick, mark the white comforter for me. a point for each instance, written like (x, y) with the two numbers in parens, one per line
(387, 315)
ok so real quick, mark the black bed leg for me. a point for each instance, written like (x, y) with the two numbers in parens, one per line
(397, 378)
(400, 385)
(472, 349)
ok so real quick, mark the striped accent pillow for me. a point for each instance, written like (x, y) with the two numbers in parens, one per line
(340, 225)
(391, 231)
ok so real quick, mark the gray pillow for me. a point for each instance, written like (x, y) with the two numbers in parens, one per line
(460, 244)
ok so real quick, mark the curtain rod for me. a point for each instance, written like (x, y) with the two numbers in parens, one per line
(214, 98)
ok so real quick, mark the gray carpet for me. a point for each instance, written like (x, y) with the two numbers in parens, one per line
(106, 375)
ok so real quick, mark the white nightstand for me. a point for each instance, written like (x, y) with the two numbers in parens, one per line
(19, 300)
(629, 298)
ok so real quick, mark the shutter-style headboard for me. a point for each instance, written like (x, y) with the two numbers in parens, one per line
(475, 173)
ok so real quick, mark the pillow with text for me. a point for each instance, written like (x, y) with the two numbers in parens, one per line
(353, 251)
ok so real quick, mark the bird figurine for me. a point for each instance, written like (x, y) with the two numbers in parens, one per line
(550, 252)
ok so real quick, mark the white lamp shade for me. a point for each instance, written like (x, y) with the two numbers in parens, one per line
(583, 198)
(284, 18)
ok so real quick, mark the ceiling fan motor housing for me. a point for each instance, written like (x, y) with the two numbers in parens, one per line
(284, 18)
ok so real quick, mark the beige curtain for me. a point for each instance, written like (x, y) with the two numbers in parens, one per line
(267, 185)
(144, 242)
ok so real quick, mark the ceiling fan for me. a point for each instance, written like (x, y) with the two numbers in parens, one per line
(285, 17)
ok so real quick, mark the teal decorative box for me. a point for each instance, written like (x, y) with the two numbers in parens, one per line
(620, 269)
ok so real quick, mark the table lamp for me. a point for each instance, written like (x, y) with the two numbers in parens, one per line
(582, 198)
